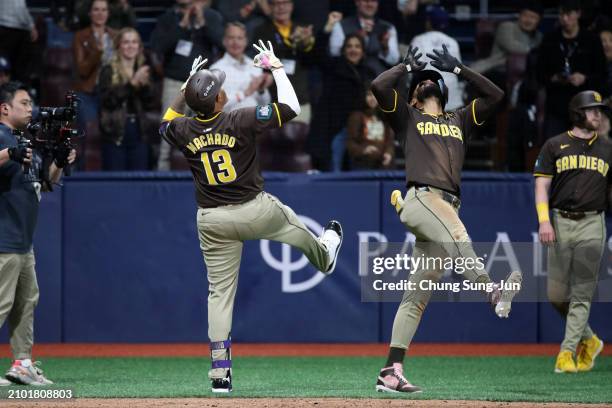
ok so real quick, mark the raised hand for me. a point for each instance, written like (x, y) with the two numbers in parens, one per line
(197, 65)
(266, 58)
(411, 60)
(444, 61)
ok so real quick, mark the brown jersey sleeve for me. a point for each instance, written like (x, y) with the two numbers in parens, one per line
(262, 117)
(390, 102)
(490, 95)
(167, 131)
(545, 164)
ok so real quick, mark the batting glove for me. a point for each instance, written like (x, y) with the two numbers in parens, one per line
(197, 65)
(411, 60)
(444, 61)
(266, 58)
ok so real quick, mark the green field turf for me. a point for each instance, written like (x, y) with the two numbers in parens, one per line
(478, 378)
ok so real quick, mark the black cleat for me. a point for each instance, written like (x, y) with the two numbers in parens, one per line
(222, 384)
(332, 239)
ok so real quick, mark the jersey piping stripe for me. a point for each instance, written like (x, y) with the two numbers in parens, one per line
(278, 115)
(394, 104)
(474, 113)
(207, 120)
(171, 114)
(542, 175)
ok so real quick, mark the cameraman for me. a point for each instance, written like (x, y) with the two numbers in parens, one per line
(19, 198)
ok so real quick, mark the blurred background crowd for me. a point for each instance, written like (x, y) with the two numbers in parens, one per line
(127, 59)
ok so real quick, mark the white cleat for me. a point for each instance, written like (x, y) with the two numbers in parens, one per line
(332, 240)
(504, 304)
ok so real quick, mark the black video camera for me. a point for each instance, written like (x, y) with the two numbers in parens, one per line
(53, 135)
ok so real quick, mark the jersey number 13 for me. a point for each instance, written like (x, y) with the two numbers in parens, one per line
(226, 172)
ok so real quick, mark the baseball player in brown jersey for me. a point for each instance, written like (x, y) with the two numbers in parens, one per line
(221, 151)
(572, 178)
(434, 147)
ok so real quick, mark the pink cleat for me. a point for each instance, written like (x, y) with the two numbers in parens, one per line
(391, 379)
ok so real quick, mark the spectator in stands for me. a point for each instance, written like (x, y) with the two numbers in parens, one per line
(121, 14)
(17, 33)
(92, 48)
(522, 129)
(434, 38)
(513, 37)
(370, 141)
(604, 126)
(245, 84)
(125, 90)
(187, 30)
(251, 13)
(75, 13)
(344, 88)
(570, 60)
(606, 42)
(413, 17)
(380, 37)
(5, 70)
(293, 44)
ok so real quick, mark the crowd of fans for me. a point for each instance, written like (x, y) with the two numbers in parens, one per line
(331, 51)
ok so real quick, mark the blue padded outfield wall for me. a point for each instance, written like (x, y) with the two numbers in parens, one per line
(118, 260)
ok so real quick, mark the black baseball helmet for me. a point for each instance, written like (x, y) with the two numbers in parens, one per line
(435, 77)
(202, 90)
(582, 101)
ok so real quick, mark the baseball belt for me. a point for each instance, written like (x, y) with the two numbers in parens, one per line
(446, 196)
(574, 215)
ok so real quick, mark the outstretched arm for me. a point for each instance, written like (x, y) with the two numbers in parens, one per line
(178, 106)
(383, 87)
(267, 60)
(491, 94)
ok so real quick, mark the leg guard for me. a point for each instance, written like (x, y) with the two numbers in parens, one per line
(221, 358)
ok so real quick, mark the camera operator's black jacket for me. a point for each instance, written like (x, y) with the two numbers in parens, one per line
(18, 200)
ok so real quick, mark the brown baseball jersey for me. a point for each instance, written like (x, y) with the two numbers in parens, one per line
(434, 146)
(579, 169)
(222, 151)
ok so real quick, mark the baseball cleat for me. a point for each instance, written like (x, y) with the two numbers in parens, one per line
(503, 305)
(391, 379)
(589, 351)
(4, 383)
(26, 372)
(332, 240)
(222, 385)
(565, 362)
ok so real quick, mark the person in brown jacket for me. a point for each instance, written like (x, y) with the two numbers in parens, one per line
(370, 140)
(92, 48)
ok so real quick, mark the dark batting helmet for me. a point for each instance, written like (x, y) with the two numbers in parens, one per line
(582, 101)
(202, 89)
(435, 77)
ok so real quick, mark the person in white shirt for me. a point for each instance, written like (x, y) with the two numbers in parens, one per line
(245, 84)
(434, 38)
(380, 36)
